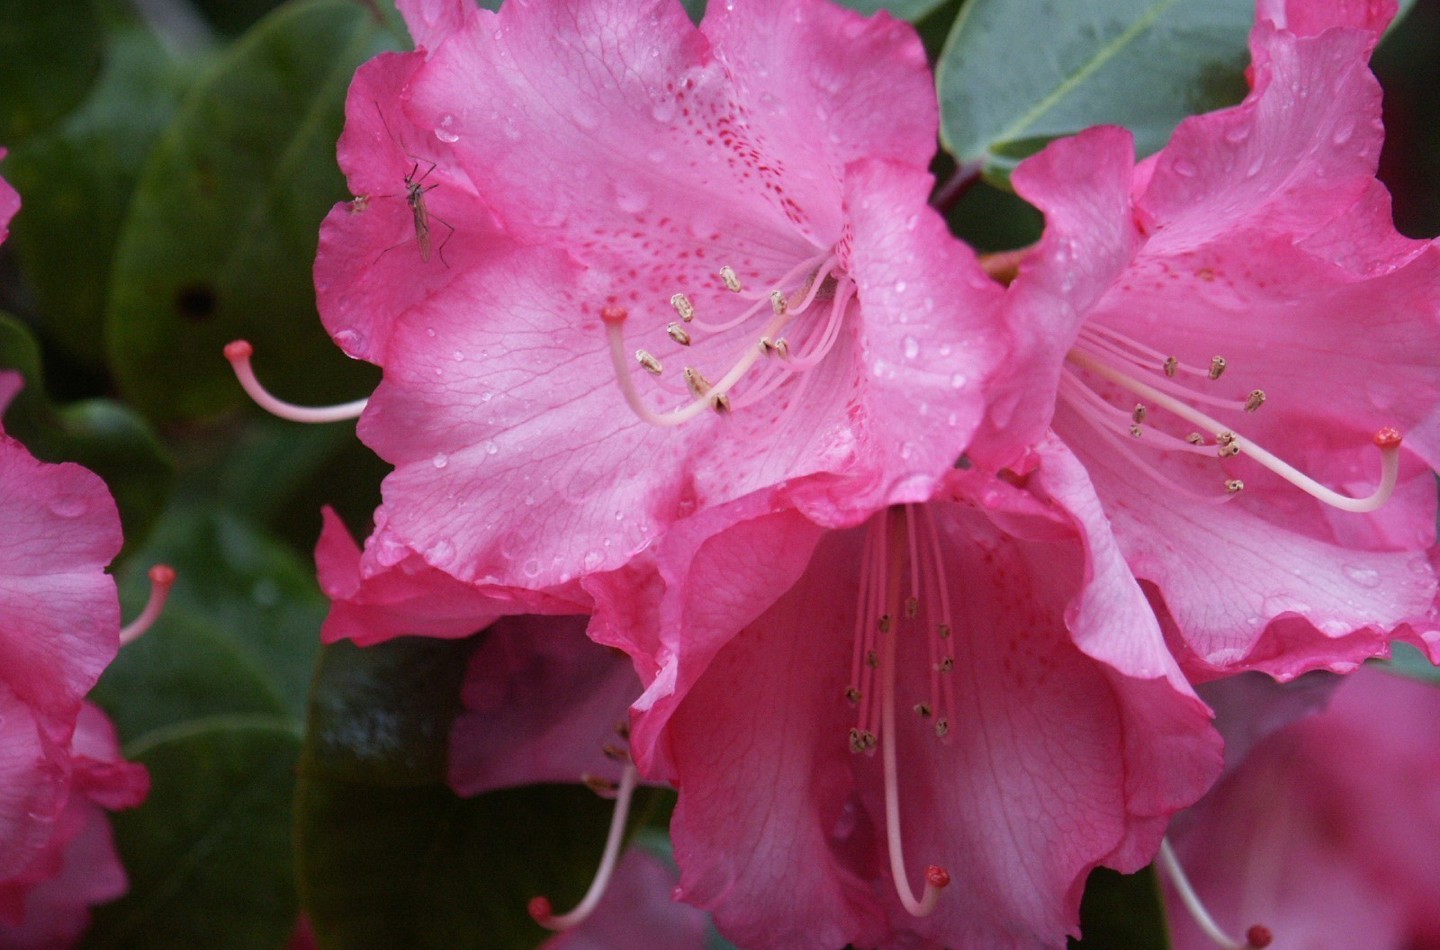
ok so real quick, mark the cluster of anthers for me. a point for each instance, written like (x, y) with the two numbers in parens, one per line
(1160, 382)
(787, 348)
(902, 594)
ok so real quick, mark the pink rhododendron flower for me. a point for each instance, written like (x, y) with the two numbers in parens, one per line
(59, 760)
(9, 203)
(1239, 299)
(1029, 721)
(1327, 831)
(59, 627)
(638, 911)
(668, 266)
(47, 904)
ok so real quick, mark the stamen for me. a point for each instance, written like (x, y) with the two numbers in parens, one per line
(1171, 365)
(678, 334)
(1217, 366)
(162, 578)
(1255, 400)
(1234, 486)
(540, 908)
(732, 282)
(778, 303)
(239, 353)
(650, 364)
(683, 306)
(1387, 440)
(1256, 937)
(1139, 414)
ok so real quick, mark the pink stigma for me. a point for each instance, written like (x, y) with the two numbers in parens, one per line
(162, 578)
(238, 352)
(1388, 438)
(936, 877)
(1256, 938)
(540, 910)
(613, 316)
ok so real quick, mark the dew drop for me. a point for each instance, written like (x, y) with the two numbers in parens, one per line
(912, 347)
(531, 568)
(957, 380)
(1185, 169)
(1237, 134)
(1343, 133)
(1364, 576)
(430, 332)
(457, 356)
(445, 132)
(491, 448)
(593, 559)
(440, 460)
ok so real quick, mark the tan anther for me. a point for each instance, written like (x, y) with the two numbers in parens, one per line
(782, 348)
(622, 729)
(1234, 486)
(1195, 438)
(852, 695)
(862, 740)
(946, 665)
(1255, 400)
(1228, 450)
(1217, 366)
(1171, 366)
(942, 727)
(1136, 431)
(1139, 413)
(923, 710)
(699, 385)
(778, 302)
(599, 785)
(732, 282)
(721, 404)
(614, 753)
(943, 631)
(912, 608)
(883, 624)
(678, 334)
(767, 348)
(872, 659)
(649, 362)
(683, 306)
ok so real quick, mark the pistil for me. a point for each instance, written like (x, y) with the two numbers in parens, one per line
(540, 908)
(162, 578)
(1257, 937)
(239, 353)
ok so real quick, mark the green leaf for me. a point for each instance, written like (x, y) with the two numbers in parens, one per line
(103, 436)
(208, 854)
(221, 236)
(1409, 662)
(1016, 74)
(212, 700)
(900, 9)
(49, 56)
(431, 870)
(1122, 912)
(249, 593)
(77, 179)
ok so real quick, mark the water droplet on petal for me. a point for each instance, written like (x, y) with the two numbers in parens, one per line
(440, 460)
(1364, 576)
(491, 448)
(912, 347)
(531, 567)
(593, 559)
(1185, 169)
(445, 131)
(69, 506)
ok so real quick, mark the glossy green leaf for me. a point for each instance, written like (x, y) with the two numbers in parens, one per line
(103, 436)
(252, 594)
(221, 235)
(431, 870)
(77, 179)
(1016, 74)
(49, 56)
(1122, 912)
(208, 854)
